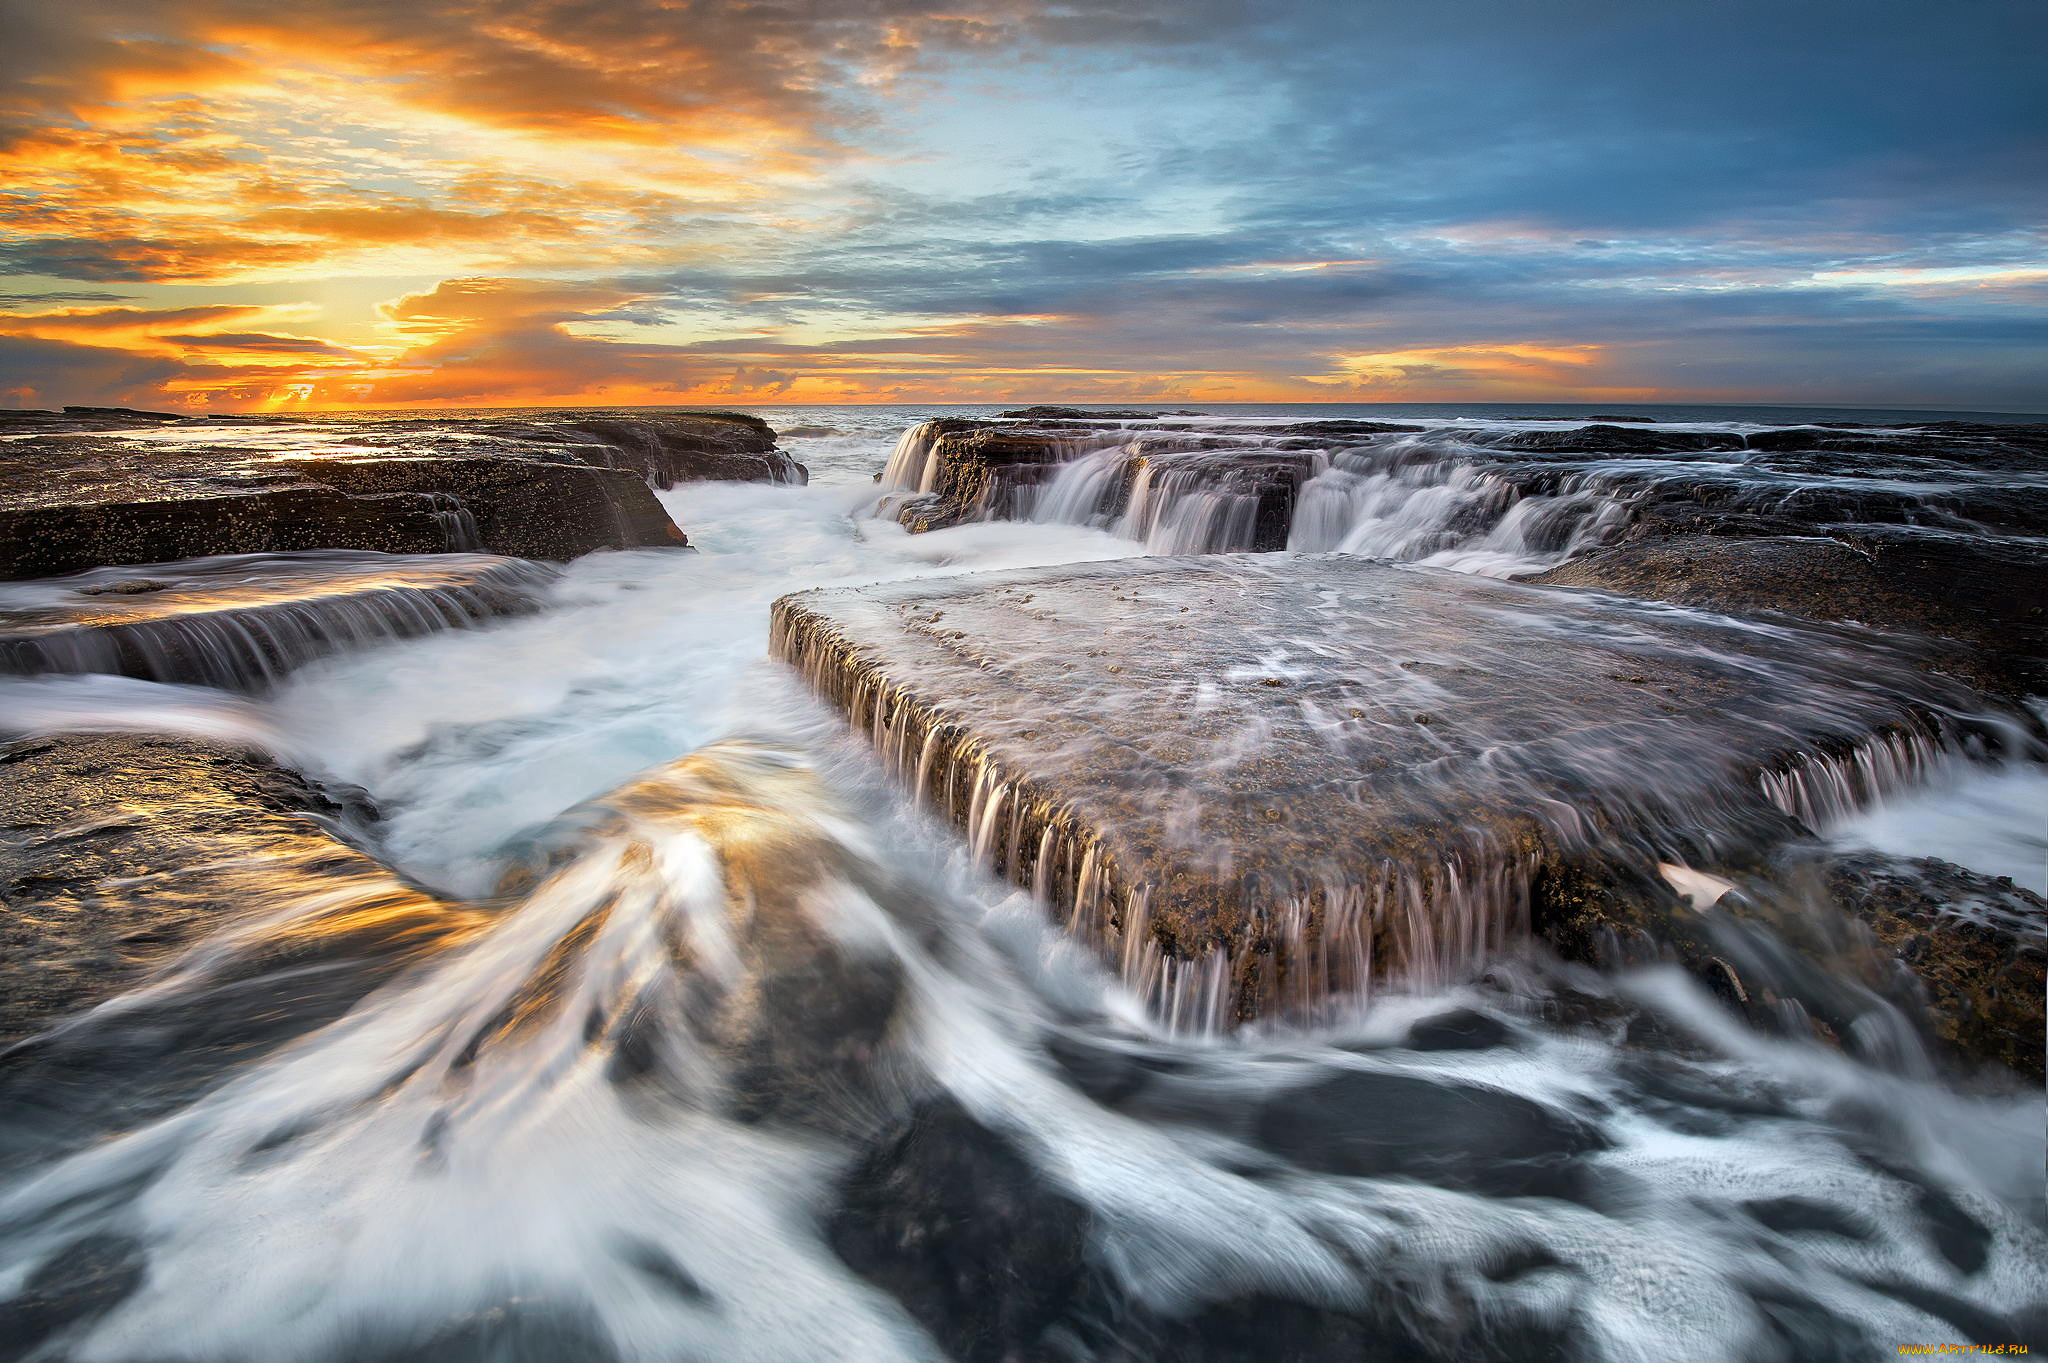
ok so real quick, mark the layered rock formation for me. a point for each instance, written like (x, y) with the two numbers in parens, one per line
(86, 489)
(1254, 783)
(1935, 531)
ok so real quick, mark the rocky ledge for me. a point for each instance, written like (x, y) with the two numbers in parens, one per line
(88, 487)
(1255, 783)
(1937, 531)
(240, 621)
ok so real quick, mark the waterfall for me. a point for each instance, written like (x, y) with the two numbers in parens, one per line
(912, 467)
(459, 533)
(1411, 504)
(242, 621)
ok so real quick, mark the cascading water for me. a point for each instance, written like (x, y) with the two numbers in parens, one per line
(743, 1055)
(241, 621)
(1447, 513)
(1410, 502)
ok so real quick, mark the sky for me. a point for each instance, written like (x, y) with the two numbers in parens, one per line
(225, 205)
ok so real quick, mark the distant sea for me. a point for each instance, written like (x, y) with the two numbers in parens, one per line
(790, 415)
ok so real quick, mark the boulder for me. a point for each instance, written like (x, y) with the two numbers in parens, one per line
(947, 1217)
(1385, 1124)
(1252, 782)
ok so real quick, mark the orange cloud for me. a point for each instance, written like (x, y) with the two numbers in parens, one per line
(1508, 370)
(229, 140)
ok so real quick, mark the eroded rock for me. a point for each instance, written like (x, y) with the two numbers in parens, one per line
(86, 490)
(1983, 593)
(1253, 782)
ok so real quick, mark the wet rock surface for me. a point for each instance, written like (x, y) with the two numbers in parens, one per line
(1977, 945)
(1464, 1136)
(121, 849)
(1253, 782)
(1982, 593)
(952, 1221)
(1938, 530)
(84, 490)
(1139, 479)
(241, 621)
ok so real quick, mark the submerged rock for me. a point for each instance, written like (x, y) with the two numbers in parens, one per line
(1255, 782)
(947, 1217)
(1465, 1136)
(244, 620)
(775, 961)
(124, 848)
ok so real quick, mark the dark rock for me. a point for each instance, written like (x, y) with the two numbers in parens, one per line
(1978, 946)
(664, 448)
(984, 471)
(244, 620)
(520, 508)
(123, 414)
(1977, 591)
(1602, 439)
(1464, 1030)
(80, 1283)
(1341, 428)
(19, 420)
(1259, 489)
(947, 1217)
(81, 501)
(120, 849)
(1804, 1216)
(2015, 447)
(1385, 1125)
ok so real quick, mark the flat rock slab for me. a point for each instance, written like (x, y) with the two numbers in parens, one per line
(1254, 781)
(1982, 592)
(241, 620)
(87, 488)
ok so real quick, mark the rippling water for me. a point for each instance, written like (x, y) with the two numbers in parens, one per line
(748, 1060)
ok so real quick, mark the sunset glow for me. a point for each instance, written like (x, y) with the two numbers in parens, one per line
(225, 205)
